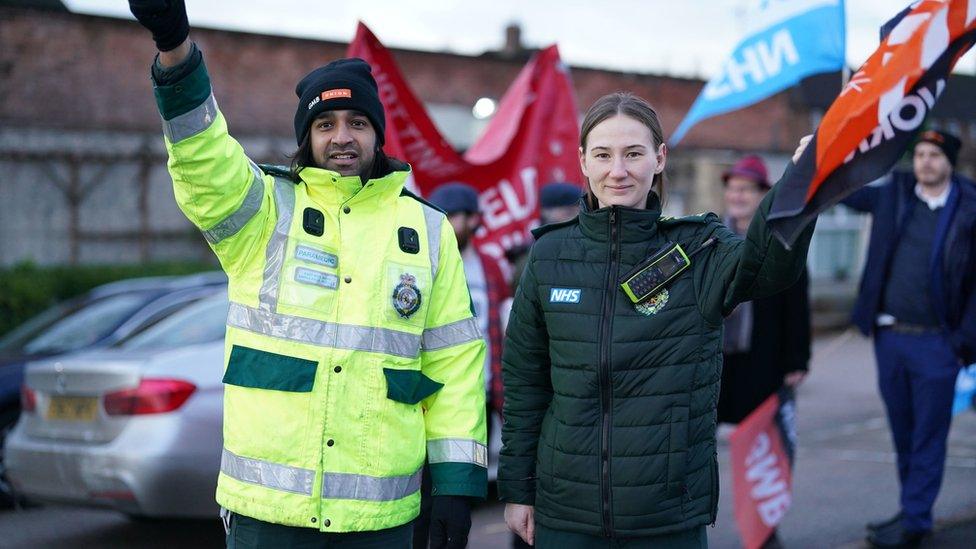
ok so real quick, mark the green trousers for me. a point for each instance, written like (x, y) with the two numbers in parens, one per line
(546, 538)
(249, 533)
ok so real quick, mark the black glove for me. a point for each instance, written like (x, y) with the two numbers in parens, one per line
(166, 19)
(450, 522)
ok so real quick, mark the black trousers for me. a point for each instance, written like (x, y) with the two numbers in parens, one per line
(250, 533)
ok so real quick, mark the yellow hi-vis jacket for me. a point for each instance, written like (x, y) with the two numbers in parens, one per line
(351, 349)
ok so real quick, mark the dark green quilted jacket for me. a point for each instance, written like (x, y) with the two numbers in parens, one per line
(610, 410)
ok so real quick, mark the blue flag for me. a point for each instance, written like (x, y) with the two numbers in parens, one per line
(788, 40)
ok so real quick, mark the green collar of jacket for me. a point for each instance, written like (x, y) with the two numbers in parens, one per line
(635, 224)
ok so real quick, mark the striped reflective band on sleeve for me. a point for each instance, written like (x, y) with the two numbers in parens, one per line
(267, 474)
(433, 220)
(362, 487)
(191, 123)
(284, 196)
(324, 334)
(233, 223)
(452, 334)
(457, 450)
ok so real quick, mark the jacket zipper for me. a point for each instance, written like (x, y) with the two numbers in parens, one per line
(606, 392)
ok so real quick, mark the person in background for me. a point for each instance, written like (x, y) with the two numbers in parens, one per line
(488, 289)
(486, 282)
(766, 341)
(918, 300)
(558, 202)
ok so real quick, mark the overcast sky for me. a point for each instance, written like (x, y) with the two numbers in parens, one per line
(677, 37)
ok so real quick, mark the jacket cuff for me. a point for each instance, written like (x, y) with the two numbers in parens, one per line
(169, 75)
(517, 491)
(185, 94)
(459, 479)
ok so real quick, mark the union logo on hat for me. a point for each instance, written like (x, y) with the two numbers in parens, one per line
(336, 94)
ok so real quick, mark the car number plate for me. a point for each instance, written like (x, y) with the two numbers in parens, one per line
(65, 408)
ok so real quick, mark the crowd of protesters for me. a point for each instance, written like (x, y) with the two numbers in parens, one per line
(610, 356)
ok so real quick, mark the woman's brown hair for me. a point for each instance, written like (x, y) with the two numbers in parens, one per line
(629, 105)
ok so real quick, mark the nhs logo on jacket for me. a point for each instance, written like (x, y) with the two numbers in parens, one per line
(564, 295)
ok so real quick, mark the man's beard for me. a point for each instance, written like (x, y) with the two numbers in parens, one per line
(343, 159)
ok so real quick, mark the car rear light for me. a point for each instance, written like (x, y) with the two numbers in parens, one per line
(152, 396)
(28, 400)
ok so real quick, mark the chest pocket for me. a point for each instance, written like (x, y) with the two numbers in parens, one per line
(410, 268)
(407, 293)
(310, 276)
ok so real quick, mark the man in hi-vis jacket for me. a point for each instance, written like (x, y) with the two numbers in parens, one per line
(351, 350)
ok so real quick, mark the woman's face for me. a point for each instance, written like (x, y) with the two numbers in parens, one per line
(620, 162)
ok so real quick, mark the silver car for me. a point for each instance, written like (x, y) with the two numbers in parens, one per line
(136, 427)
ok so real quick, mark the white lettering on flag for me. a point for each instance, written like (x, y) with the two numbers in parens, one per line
(769, 487)
(500, 205)
(936, 40)
(906, 28)
(761, 61)
(907, 115)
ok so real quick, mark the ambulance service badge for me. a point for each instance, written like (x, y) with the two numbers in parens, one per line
(406, 296)
(653, 304)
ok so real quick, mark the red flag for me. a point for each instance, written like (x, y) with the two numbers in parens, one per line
(532, 140)
(761, 450)
(878, 113)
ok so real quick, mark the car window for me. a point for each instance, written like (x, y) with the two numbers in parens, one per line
(158, 316)
(13, 342)
(201, 322)
(87, 325)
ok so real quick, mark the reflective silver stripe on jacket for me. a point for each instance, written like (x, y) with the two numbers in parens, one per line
(325, 334)
(457, 450)
(230, 225)
(284, 196)
(452, 334)
(433, 220)
(191, 123)
(362, 487)
(267, 474)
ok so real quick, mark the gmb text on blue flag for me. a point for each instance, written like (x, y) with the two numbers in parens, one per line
(788, 40)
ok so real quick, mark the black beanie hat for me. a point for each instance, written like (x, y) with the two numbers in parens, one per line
(342, 84)
(949, 143)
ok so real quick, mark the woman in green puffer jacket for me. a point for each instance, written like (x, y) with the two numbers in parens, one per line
(613, 353)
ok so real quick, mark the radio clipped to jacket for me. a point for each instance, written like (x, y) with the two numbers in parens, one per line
(655, 272)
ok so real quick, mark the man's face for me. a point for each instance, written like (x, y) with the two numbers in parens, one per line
(930, 164)
(464, 224)
(343, 141)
